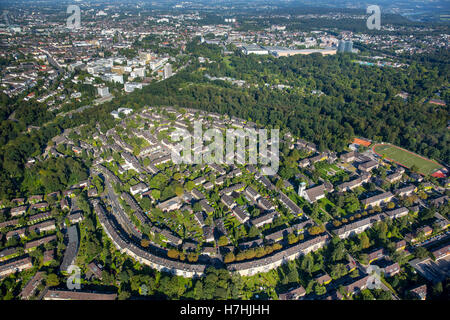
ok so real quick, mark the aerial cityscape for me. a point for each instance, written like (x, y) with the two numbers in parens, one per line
(224, 150)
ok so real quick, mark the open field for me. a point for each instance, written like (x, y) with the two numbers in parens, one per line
(406, 158)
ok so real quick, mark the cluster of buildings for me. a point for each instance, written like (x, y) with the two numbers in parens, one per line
(158, 151)
(105, 56)
(283, 51)
(154, 157)
(127, 240)
(32, 224)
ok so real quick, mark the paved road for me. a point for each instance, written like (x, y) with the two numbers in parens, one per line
(119, 213)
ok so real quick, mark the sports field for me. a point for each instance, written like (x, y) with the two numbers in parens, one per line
(406, 158)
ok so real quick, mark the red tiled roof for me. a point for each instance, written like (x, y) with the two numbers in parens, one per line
(362, 142)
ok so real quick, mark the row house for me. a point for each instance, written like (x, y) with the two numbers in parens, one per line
(350, 185)
(262, 220)
(35, 199)
(368, 166)
(138, 188)
(45, 226)
(377, 200)
(208, 233)
(7, 253)
(265, 204)
(220, 180)
(161, 160)
(240, 214)
(437, 202)
(206, 207)
(289, 204)
(18, 201)
(406, 191)
(197, 194)
(169, 237)
(171, 204)
(267, 263)
(323, 279)
(39, 206)
(315, 193)
(293, 294)
(17, 265)
(19, 233)
(252, 194)
(31, 286)
(36, 243)
(441, 252)
(9, 223)
(357, 286)
(394, 177)
(217, 168)
(266, 183)
(392, 269)
(18, 211)
(375, 255)
(198, 216)
(397, 213)
(251, 244)
(348, 157)
(199, 181)
(58, 294)
(228, 201)
(208, 186)
(131, 163)
(318, 158)
(39, 217)
(356, 227)
(159, 263)
(152, 169)
(233, 188)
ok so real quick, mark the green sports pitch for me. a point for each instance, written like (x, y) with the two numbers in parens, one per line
(406, 158)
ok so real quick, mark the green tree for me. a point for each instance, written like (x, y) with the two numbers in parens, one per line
(320, 290)
(364, 241)
(52, 280)
(421, 253)
(229, 257)
(223, 241)
(124, 295)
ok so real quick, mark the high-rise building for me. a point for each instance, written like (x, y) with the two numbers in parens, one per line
(167, 71)
(345, 46)
(103, 91)
(348, 46)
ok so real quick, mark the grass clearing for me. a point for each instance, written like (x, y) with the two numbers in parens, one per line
(406, 158)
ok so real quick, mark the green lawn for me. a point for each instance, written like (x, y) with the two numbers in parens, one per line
(324, 168)
(326, 204)
(406, 158)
